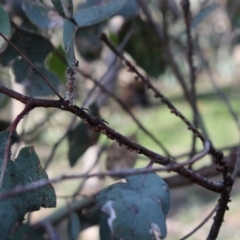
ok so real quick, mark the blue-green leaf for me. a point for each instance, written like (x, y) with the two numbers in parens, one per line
(144, 196)
(68, 43)
(97, 13)
(33, 82)
(25, 169)
(74, 226)
(41, 15)
(129, 10)
(36, 48)
(64, 7)
(5, 27)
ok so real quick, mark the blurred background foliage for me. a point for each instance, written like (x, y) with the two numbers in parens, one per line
(36, 29)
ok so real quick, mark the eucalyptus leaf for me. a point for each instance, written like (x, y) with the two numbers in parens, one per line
(5, 27)
(25, 169)
(64, 7)
(32, 81)
(41, 15)
(129, 10)
(144, 196)
(36, 48)
(97, 13)
(68, 43)
(104, 230)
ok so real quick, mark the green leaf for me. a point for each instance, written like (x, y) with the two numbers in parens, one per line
(25, 169)
(64, 7)
(68, 36)
(25, 232)
(99, 12)
(74, 226)
(144, 196)
(88, 43)
(41, 15)
(56, 65)
(81, 138)
(5, 27)
(36, 48)
(149, 58)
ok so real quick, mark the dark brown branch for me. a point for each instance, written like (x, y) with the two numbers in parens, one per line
(59, 141)
(99, 126)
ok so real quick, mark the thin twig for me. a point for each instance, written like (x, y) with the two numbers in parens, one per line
(237, 165)
(113, 62)
(44, 182)
(51, 232)
(192, 76)
(57, 144)
(80, 187)
(203, 153)
(11, 129)
(33, 67)
(220, 93)
(200, 225)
